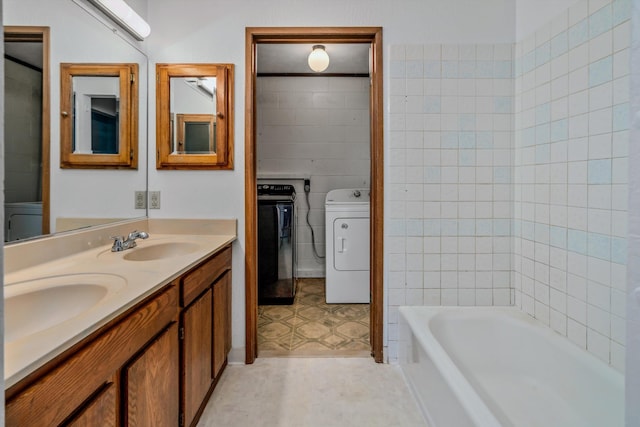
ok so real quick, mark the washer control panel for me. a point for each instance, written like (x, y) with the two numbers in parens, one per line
(276, 189)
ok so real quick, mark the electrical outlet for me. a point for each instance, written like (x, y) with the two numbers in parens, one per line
(154, 200)
(140, 200)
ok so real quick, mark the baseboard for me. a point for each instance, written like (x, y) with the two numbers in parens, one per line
(236, 356)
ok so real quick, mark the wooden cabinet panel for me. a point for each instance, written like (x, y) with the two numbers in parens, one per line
(228, 290)
(196, 281)
(221, 322)
(69, 384)
(151, 383)
(102, 410)
(197, 348)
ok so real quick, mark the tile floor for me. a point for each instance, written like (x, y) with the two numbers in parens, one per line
(312, 392)
(311, 327)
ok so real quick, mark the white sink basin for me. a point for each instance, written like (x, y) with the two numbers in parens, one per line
(40, 304)
(154, 252)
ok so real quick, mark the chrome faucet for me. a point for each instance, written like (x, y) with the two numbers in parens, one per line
(120, 244)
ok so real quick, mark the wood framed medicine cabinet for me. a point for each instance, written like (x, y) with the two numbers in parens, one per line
(194, 116)
(99, 116)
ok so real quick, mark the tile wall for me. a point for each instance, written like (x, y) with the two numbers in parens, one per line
(448, 186)
(317, 127)
(507, 177)
(570, 175)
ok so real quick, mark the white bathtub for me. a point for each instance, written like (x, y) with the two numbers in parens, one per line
(496, 366)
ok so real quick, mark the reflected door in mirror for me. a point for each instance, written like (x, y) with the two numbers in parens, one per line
(99, 116)
(196, 134)
(96, 115)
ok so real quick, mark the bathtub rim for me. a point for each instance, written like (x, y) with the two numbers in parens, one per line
(460, 386)
(467, 396)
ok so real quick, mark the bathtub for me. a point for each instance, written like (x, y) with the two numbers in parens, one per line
(497, 366)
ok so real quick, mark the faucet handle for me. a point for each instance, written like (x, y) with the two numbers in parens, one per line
(118, 243)
(135, 234)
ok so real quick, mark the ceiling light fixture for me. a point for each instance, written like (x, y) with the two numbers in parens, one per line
(318, 58)
(124, 16)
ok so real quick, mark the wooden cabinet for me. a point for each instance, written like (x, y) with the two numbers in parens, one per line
(205, 330)
(154, 365)
(197, 347)
(221, 322)
(100, 410)
(150, 383)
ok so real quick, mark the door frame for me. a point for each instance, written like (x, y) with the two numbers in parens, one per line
(14, 33)
(372, 36)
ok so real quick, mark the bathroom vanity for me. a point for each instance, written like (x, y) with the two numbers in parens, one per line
(147, 351)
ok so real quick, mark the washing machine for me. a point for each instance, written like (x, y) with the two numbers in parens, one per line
(347, 242)
(22, 220)
(276, 244)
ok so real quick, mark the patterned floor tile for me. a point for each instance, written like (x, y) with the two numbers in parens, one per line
(310, 326)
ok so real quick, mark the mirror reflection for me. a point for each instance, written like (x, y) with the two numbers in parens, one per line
(99, 115)
(193, 107)
(41, 197)
(96, 115)
(194, 116)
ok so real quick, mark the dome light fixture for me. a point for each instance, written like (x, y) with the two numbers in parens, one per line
(318, 58)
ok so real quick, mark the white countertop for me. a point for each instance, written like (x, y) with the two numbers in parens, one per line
(129, 283)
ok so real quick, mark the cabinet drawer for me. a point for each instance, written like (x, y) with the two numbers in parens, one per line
(195, 282)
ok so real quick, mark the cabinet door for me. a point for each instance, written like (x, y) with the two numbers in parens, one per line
(100, 411)
(151, 383)
(221, 322)
(197, 347)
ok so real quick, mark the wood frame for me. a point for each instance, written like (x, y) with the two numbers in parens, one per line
(223, 157)
(127, 156)
(182, 119)
(254, 36)
(40, 34)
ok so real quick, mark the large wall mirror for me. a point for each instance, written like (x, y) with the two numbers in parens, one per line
(41, 197)
(194, 116)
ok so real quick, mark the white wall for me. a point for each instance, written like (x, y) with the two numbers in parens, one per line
(531, 15)
(572, 106)
(316, 127)
(632, 380)
(215, 32)
(78, 37)
(449, 208)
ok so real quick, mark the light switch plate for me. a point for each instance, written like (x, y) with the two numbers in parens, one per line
(140, 200)
(154, 200)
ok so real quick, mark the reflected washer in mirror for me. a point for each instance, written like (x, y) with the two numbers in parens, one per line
(194, 116)
(99, 116)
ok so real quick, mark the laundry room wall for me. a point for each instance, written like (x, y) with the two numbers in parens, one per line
(315, 127)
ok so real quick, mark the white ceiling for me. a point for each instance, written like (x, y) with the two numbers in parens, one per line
(292, 58)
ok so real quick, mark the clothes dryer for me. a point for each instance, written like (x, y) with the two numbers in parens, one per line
(347, 242)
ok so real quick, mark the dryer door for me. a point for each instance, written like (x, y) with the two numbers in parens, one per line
(351, 244)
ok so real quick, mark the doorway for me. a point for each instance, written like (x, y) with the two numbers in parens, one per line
(372, 36)
(29, 47)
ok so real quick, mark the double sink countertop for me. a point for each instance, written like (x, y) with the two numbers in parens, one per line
(59, 290)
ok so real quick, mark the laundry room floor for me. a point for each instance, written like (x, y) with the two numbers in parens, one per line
(311, 327)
